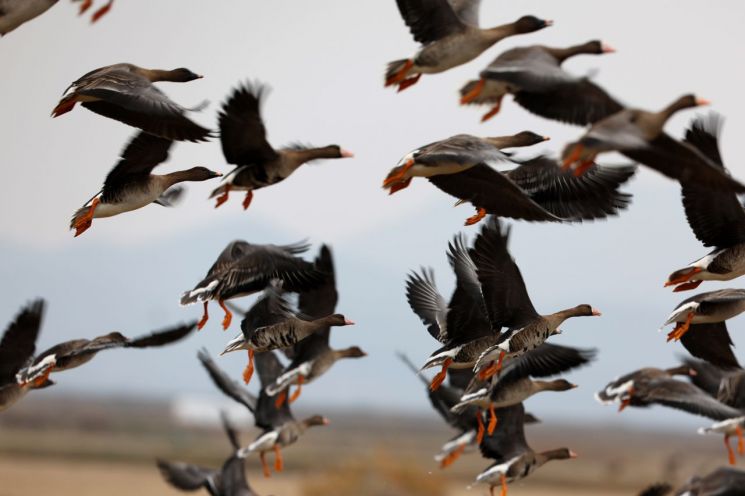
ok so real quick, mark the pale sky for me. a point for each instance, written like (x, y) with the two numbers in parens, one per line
(324, 61)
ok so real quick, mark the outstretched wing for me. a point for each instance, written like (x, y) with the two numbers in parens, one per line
(19, 341)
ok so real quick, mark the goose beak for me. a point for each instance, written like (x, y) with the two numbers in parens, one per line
(547, 138)
(607, 48)
(702, 101)
(200, 76)
(572, 454)
(346, 153)
(348, 322)
(596, 312)
(692, 372)
(326, 421)
(549, 23)
(574, 386)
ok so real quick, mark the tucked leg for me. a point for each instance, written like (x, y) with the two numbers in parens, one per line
(228, 315)
(223, 197)
(401, 74)
(687, 286)
(494, 111)
(504, 485)
(625, 403)
(398, 175)
(574, 155)
(249, 370)
(408, 82)
(740, 440)
(681, 328)
(84, 6)
(281, 398)
(85, 221)
(474, 93)
(452, 457)
(492, 420)
(730, 452)
(102, 11)
(683, 277)
(440, 377)
(584, 166)
(475, 219)
(247, 199)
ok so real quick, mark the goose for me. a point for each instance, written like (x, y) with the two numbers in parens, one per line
(280, 429)
(244, 268)
(533, 74)
(244, 144)
(18, 374)
(270, 324)
(125, 92)
(700, 325)
(450, 36)
(723, 481)
(508, 304)
(513, 458)
(538, 190)
(649, 386)
(638, 134)
(13, 13)
(74, 353)
(514, 385)
(453, 155)
(717, 219)
(229, 480)
(312, 357)
(130, 184)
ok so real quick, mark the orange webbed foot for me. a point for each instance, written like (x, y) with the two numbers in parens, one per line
(474, 93)
(406, 83)
(102, 11)
(278, 463)
(205, 317)
(247, 200)
(248, 372)
(584, 166)
(400, 75)
(228, 315)
(492, 420)
(452, 457)
(85, 221)
(680, 328)
(64, 106)
(475, 219)
(223, 197)
(399, 186)
(684, 277)
(687, 286)
(574, 155)
(440, 377)
(625, 403)
(84, 6)
(494, 111)
(39, 381)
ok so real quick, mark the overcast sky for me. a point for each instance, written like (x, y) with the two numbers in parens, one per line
(324, 61)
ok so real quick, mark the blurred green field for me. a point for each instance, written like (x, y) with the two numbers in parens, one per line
(90, 447)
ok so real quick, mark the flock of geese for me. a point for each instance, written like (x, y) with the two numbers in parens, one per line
(493, 350)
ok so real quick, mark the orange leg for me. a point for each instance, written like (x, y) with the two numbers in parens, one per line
(228, 316)
(265, 465)
(249, 370)
(247, 199)
(223, 197)
(740, 440)
(504, 485)
(480, 214)
(400, 75)
(408, 82)
(452, 457)
(584, 166)
(440, 377)
(685, 277)
(205, 317)
(39, 381)
(487, 371)
(574, 155)
(281, 398)
(278, 463)
(84, 222)
(680, 328)
(730, 452)
(492, 420)
(296, 394)
(494, 111)
(399, 175)
(625, 403)
(84, 6)
(481, 429)
(687, 286)
(102, 11)
(474, 93)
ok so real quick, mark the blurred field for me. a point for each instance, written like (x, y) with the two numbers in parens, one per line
(84, 447)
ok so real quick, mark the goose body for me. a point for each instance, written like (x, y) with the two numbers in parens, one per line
(13, 13)
(450, 36)
(244, 144)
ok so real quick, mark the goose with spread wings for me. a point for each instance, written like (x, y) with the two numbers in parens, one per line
(228, 480)
(125, 92)
(716, 218)
(312, 357)
(278, 425)
(450, 36)
(244, 144)
(534, 75)
(18, 373)
(130, 184)
(245, 268)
